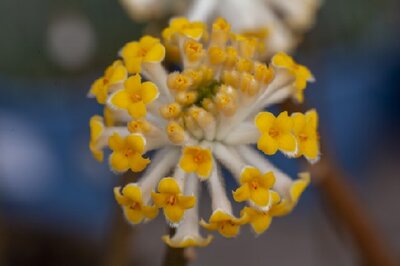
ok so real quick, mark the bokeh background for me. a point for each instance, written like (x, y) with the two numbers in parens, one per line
(56, 201)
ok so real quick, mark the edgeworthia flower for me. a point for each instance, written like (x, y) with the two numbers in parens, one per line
(279, 24)
(207, 112)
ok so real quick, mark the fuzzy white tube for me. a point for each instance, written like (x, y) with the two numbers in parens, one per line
(156, 73)
(230, 160)
(180, 176)
(202, 10)
(216, 188)
(245, 133)
(160, 166)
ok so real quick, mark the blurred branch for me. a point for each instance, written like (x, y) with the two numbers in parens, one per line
(174, 256)
(345, 205)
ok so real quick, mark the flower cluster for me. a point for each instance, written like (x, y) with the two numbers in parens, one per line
(279, 24)
(206, 114)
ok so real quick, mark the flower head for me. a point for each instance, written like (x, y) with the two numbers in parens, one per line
(127, 153)
(170, 198)
(130, 197)
(255, 186)
(198, 118)
(224, 223)
(147, 50)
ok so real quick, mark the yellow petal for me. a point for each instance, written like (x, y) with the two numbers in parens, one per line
(267, 144)
(287, 143)
(267, 180)
(260, 223)
(116, 142)
(97, 153)
(204, 169)
(242, 193)
(119, 162)
(137, 109)
(155, 54)
(186, 202)
(248, 174)
(208, 226)
(150, 212)
(264, 121)
(310, 149)
(119, 197)
(169, 185)
(133, 192)
(133, 215)
(187, 164)
(312, 118)
(149, 92)
(120, 99)
(282, 60)
(219, 216)
(119, 72)
(174, 213)
(259, 196)
(132, 83)
(133, 64)
(159, 199)
(284, 123)
(299, 122)
(96, 125)
(229, 230)
(147, 42)
(137, 163)
(136, 143)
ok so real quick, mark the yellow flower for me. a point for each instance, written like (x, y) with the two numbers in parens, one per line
(291, 196)
(226, 224)
(305, 129)
(127, 153)
(258, 219)
(132, 203)
(135, 96)
(114, 74)
(254, 186)
(276, 133)
(96, 125)
(170, 198)
(301, 73)
(182, 25)
(196, 159)
(147, 50)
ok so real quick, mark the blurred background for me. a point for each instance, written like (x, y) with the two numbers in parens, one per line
(56, 201)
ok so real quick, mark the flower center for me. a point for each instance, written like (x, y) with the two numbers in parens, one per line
(198, 158)
(171, 200)
(273, 132)
(303, 137)
(136, 97)
(129, 152)
(254, 185)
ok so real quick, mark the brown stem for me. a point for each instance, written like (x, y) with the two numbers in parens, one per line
(174, 256)
(345, 205)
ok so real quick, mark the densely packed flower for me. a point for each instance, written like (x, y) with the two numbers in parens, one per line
(208, 112)
(279, 24)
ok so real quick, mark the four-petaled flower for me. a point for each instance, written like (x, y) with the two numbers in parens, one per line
(301, 73)
(226, 224)
(171, 199)
(130, 198)
(182, 25)
(147, 50)
(127, 153)
(135, 96)
(196, 159)
(305, 129)
(276, 133)
(114, 74)
(255, 186)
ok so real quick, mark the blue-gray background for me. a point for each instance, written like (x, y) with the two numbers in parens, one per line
(51, 186)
